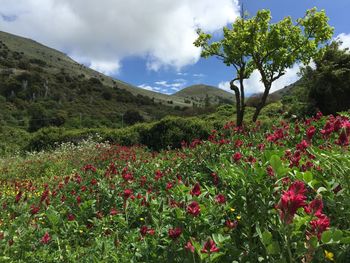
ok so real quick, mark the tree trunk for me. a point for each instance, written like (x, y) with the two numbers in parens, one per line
(261, 103)
(239, 108)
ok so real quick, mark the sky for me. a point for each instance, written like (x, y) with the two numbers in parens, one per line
(149, 43)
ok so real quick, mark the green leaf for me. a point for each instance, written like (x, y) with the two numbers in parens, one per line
(326, 236)
(345, 240)
(337, 235)
(53, 216)
(266, 238)
(308, 177)
(276, 162)
(314, 241)
(273, 248)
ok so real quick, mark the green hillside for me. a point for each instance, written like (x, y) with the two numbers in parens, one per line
(42, 85)
(202, 93)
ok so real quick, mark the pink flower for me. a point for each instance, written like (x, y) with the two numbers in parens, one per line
(46, 238)
(193, 208)
(113, 212)
(231, 224)
(189, 246)
(196, 190)
(210, 247)
(221, 199)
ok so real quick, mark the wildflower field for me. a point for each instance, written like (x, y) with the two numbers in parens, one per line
(244, 195)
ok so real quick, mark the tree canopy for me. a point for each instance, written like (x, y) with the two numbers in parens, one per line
(329, 82)
(271, 48)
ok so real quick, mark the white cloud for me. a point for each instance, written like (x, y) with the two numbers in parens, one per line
(147, 87)
(254, 84)
(345, 39)
(225, 85)
(182, 73)
(165, 83)
(105, 67)
(106, 31)
(199, 75)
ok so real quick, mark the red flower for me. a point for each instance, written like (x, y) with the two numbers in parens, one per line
(302, 146)
(144, 230)
(343, 138)
(174, 233)
(78, 200)
(310, 132)
(215, 178)
(315, 207)
(113, 212)
(210, 247)
(196, 190)
(231, 224)
(318, 226)
(46, 238)
(93, 181)
(128, 176)
(189, 246)
(18, 197)
(169, 186)
(159, 175)
(70, 217)
(291, 200)
(193, 208)
(34, 209)
(237, 156)
(89, 167)
(127, 193)
(221, 199)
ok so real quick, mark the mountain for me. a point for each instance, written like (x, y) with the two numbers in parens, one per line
(205, 94)
(56, 61)
(41, 84)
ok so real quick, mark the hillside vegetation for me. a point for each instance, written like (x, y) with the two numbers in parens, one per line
(42, 87)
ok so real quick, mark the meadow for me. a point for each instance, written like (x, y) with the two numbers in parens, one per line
(277, 193)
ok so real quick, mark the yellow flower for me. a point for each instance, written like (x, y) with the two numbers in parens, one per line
(142, 219)
(329, 255)
(238, 217)
(232, 209)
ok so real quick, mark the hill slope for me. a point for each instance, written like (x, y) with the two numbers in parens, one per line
(42, 84)
(200, 93)
(56, 61)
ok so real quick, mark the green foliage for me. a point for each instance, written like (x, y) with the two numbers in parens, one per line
(257, 44)
(329, 83)
(170, 132)
(132, 116)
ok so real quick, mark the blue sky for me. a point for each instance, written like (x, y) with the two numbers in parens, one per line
(149, 43)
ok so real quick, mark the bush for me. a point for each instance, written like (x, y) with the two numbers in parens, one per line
(171, 131)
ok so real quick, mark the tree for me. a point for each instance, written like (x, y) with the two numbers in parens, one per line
(271, 48)
(132, 116)
(329, 82)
